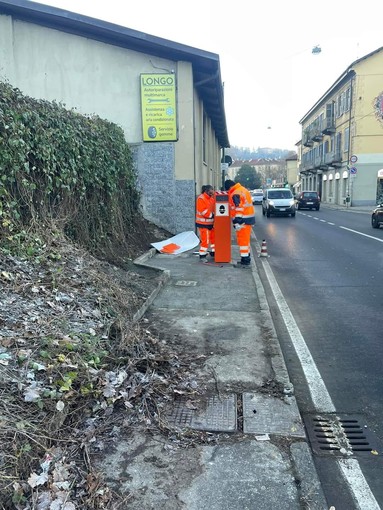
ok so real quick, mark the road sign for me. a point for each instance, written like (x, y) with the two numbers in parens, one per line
(353, 159)
(353, 170)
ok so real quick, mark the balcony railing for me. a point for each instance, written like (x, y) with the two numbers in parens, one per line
(333, 158)
(307, 142)
(329, 126)
(317, 134)
(318, 161)
(306, 165)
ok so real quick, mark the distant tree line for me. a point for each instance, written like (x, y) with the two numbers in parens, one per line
(244, 153)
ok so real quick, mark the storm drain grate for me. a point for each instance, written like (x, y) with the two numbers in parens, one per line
(340, 435)
(215, 414)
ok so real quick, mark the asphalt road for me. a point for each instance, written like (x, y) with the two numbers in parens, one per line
(329, 267)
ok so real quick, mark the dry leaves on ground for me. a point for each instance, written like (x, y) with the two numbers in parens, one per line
(75, 372)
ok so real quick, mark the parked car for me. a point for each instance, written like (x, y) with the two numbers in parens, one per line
(308, 200)
(377, 216)
(257, 196)
(278, 201)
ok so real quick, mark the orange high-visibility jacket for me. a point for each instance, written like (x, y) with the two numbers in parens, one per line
(205, 211)
(241, 205)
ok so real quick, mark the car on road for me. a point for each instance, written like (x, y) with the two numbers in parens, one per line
(278, 201)
(307, 200)
(257, 196)
(377, 216)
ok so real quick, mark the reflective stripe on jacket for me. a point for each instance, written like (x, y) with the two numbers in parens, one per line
(241, 205)
(204, 211)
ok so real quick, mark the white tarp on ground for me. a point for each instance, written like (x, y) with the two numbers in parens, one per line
(177, 244)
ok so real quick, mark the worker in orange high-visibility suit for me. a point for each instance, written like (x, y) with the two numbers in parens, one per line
(243, 217)
(204, 221)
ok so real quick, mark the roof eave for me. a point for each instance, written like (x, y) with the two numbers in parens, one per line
(205, 64)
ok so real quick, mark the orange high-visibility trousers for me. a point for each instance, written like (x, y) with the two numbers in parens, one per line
(207, 238)
(243, 239)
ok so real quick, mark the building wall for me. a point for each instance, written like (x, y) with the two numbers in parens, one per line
(363, 128)
(208, 161)
(292, 172)
(367, 133)
(98, 78)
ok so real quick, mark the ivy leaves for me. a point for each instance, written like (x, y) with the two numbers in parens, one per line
(56, 164)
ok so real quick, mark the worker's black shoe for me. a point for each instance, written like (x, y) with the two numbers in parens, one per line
(212, 254)
(244, 262)
(203, 257)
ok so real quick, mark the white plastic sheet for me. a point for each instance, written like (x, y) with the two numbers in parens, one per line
(177, 244)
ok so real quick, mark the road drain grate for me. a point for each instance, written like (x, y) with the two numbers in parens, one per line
(342, 435)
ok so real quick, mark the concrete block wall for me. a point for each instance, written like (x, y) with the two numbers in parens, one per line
(166, 202)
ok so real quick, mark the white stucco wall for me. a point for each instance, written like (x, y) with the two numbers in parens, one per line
(184, 154)
(85, 74)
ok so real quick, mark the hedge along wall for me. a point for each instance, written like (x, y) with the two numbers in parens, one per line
(61, 168)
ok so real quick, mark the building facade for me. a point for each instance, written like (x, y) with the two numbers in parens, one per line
(292, 171)
(97, 67)
(341, 151)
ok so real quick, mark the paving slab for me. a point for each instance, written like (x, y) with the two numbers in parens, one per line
(264, 414)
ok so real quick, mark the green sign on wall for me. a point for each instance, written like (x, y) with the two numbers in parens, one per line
(158, 107)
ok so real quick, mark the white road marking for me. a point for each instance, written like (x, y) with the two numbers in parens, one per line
(361, 234)
(345, 228)
(322, 401)
(358, 485)
(319, 394)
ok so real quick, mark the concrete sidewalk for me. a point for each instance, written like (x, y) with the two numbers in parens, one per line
(366, 209)
(262, 460)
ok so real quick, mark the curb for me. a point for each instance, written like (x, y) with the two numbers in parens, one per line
(311, 492)
(277, 360)
(165, 276)
(349, 209)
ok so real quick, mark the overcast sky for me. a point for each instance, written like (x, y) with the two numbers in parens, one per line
(271, 77)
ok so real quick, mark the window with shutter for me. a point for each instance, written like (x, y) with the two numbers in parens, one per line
(348, 100)
(346, 139)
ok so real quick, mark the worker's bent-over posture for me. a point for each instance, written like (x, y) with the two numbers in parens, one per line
(243, 217)
(205, 220)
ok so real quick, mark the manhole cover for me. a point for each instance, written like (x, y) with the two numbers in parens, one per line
(216, 414)
(342, 435)
(269, 415)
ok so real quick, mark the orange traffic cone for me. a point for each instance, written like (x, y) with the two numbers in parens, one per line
(263, 249)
